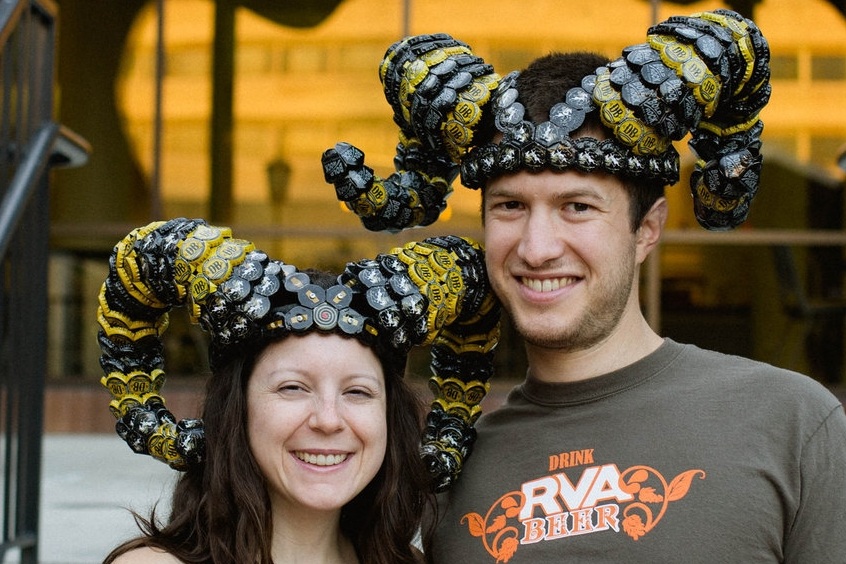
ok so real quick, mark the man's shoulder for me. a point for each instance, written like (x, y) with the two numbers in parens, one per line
(740, 375)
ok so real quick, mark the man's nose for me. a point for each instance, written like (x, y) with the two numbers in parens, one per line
(540, 241)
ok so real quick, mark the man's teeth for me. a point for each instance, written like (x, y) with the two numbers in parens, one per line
(547, 284)
(321, 459)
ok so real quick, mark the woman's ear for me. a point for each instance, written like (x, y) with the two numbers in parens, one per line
(650, 229)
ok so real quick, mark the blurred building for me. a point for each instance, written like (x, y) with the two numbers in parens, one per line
(299, 89)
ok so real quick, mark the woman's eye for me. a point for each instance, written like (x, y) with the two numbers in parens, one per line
(360, 392)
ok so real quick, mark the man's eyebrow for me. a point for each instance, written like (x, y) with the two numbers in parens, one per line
(499, 191)
(580, 192)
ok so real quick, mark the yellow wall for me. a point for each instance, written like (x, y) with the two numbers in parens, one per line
(298, 91)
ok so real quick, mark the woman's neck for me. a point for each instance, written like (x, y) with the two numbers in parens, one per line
(305, 537)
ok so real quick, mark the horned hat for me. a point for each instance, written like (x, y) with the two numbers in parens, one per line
(433, 292)
(706, 75)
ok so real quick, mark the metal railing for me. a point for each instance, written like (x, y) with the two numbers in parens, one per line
(30, 144)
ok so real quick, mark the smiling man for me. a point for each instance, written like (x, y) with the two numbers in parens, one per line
(620, 445)
(562, 257)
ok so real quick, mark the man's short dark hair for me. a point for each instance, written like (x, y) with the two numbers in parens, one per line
(546, 81)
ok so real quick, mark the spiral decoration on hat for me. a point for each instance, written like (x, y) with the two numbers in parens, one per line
(706, 74)
(434, 292)
(436, 87)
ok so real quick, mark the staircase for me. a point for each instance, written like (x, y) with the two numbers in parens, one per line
(31, 144)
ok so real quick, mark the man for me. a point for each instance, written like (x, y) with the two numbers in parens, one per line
(620, 445)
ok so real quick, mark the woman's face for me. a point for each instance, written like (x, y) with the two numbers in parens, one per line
(317, 422)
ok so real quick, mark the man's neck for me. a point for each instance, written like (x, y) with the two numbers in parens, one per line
(628, 343)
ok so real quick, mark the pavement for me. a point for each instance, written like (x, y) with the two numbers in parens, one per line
(89, 484)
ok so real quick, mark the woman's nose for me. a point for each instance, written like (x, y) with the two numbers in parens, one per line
(326, 416)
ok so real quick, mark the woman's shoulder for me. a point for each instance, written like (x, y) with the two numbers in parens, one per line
(146, 555)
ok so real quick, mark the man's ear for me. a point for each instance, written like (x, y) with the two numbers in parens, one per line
(651, 227)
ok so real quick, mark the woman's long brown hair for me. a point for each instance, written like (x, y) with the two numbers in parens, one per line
(220, 510)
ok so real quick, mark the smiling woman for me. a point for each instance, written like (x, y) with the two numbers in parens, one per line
(309, 444)
(316, 413)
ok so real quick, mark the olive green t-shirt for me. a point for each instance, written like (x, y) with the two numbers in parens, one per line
(686, 456)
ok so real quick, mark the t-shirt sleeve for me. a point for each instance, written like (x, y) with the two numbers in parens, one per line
(817, 533)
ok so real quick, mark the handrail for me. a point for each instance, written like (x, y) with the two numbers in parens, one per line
(32, 144)
(53, 146)
(25, 183)
(10, 14)
(69, 149)
(11, 11)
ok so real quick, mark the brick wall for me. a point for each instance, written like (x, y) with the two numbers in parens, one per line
(84, 408)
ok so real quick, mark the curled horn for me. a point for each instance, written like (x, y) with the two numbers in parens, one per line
(437, 88)
(729, 78)
(462, 351)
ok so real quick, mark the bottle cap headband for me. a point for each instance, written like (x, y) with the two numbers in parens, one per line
(707, 74)
(433, 292)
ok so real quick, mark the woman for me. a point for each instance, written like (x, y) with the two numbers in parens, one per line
(309, 445)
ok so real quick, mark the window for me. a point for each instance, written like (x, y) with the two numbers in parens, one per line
(828, 67)
(825, 149)
(784, 67)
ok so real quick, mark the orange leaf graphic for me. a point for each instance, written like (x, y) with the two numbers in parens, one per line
(475, 523)
(633, 525)
(511, 506)
(507, 549)
(639, 476)
(497, 524)
(508, 502)
(648, 495)
(681, 484)
(632, 485)
(630, 488)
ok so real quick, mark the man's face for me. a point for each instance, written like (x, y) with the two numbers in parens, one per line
(561, 255)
